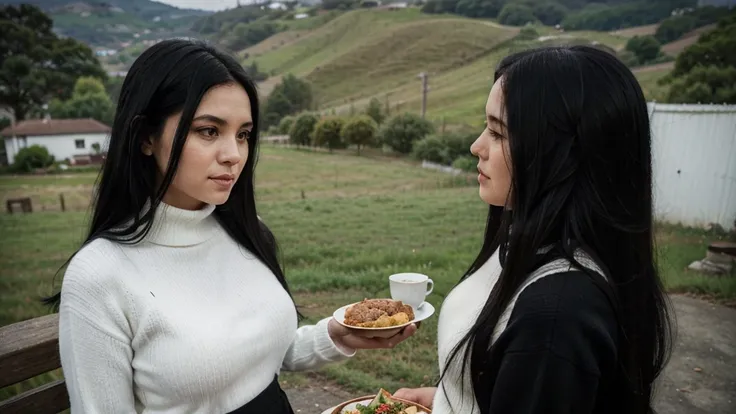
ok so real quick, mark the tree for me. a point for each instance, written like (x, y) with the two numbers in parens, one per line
(360, 131)
(301, 132)
(292, 95)
(285, 124)
(327, 133)
(712, 48)
(89, 100)
(706, 71)
(375, 110)
(514, 14)
(35, 64)
(402, 130)
(672, 28)
(646, 48)
(549, 12)
(479, 8)
(31, 158)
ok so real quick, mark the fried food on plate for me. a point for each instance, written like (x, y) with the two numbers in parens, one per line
(378, 313)
(384, 404)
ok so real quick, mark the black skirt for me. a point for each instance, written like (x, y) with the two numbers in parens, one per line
(272, 400)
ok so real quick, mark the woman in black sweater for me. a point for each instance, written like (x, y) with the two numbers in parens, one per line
(563, 310)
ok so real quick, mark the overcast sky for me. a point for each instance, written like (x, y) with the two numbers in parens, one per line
(203, 4)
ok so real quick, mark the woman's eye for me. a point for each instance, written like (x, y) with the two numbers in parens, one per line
(208, 132)
(244, 135)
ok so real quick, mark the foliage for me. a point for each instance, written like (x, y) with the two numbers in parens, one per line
(327, 133)
(375, 111)
(254, 73)
(431, 148)
(300, 133)
(243, 35)
(339, 4)
(401, 131)
(470, 8)
(606, 17)
(528, 32)
(514, 14)
(35, 64)
(672, 28)
(705, 84)
(548, 12)
(466, 163)
(227, 19)
(285, 124)
(645, 48)
(706, 71)
(360, 131)
(30, 158)
(292, 95)
(444, 149)
(89, 100)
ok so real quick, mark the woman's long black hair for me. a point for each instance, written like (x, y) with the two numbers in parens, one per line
(581, 165)
(169, 78)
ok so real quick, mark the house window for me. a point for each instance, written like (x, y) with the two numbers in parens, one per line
(79, 143)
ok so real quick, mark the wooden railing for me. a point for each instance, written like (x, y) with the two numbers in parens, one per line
(28, 349)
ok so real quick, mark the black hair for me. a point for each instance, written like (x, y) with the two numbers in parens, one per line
(171, 77)
(581, 177)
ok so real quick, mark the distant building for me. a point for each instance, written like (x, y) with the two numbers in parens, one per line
(71, 139)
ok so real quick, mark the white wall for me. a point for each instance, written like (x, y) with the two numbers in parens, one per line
(694, 150)
(60, 146)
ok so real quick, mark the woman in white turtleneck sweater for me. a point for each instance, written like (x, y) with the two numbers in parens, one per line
(176, 301)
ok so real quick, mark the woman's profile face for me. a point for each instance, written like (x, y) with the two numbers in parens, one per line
(492, 150)
(215, 151)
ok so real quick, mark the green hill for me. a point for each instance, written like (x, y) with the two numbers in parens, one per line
(110, 22)
(375, 53)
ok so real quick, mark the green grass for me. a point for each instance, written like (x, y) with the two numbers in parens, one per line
(339, 245)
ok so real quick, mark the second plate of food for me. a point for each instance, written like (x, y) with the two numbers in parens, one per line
(381, 315)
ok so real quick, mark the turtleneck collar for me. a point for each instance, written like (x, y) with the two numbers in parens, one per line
(173, 226)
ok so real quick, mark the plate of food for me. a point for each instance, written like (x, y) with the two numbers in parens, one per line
(381, 403)
(384, 317)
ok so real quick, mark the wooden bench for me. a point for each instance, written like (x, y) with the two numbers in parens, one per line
(28, 349)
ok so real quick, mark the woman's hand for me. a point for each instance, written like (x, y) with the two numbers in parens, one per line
(357, 338)
(423, 396)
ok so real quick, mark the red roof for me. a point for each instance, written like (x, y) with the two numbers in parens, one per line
(56, 127)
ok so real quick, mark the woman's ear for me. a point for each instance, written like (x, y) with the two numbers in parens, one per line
(147, 146)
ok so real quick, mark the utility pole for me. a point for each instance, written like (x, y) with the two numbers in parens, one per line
(424, 77)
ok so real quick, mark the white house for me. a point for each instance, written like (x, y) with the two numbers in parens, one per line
(64, 138)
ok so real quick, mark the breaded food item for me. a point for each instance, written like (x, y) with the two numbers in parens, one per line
(378, 313)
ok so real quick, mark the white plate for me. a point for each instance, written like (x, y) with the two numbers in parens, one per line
(353, 404)
(424, 311)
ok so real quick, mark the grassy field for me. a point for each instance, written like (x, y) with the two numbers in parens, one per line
(339, 245)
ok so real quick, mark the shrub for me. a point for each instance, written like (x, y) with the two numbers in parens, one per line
(31, 158)
(432, 148)
(466, 163)
(360, 131)
(301, 131)
(401, 131)
(327, 133)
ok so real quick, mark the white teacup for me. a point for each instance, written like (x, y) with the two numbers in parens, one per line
(410, 288)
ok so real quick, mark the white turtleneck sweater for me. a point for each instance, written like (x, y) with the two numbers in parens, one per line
(185, 321)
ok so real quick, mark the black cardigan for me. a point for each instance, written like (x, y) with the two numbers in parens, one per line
(558, 353)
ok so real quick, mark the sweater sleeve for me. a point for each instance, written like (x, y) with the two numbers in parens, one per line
(312, 348)
(94, 340)
(560, 338)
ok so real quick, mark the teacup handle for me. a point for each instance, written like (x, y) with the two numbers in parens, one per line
(430, 283)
